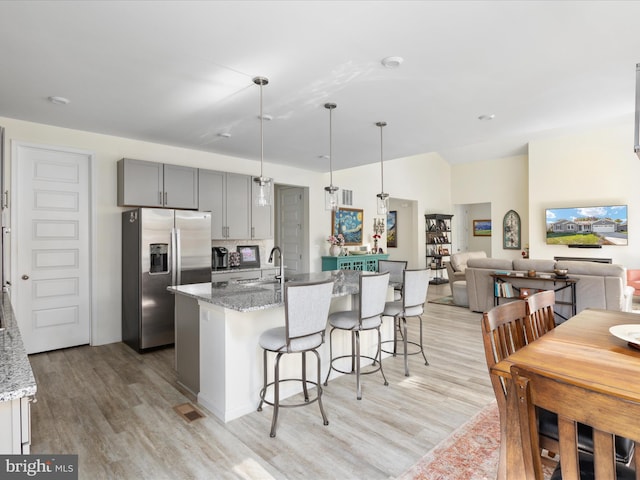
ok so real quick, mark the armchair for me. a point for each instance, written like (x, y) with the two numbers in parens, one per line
(457, 265)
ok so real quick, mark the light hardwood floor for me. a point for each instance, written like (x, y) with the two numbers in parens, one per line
(114, 408)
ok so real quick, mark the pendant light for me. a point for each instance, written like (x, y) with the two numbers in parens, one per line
(263, 196)
(383, 198)
(330, 192)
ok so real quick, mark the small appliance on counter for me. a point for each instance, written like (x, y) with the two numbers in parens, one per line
(234, 259)
(219, 258)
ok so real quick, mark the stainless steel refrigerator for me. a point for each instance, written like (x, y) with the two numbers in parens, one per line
(160, 248)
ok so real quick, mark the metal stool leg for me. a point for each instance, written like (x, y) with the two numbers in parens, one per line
(380, 353)
(326, 380)
(276, 395)
(325, 420)
(426, 362)
(264, 381)
(304, 376)
(356, 335)
(406, 346)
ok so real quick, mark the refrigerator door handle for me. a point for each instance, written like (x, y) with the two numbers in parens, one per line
(173, 260)
(178, 257)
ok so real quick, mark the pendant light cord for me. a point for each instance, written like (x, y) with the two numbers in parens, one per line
(381, 124)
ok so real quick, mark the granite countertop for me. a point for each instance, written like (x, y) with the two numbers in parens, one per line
(16, 376)
(251, 296)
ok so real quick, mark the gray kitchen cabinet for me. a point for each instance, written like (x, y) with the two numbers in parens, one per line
(150, 184)
(228, 197)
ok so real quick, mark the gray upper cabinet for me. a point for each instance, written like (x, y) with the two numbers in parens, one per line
(180, 187)
(228, 197)
(211, 195)
(151, 184)
(238, 206)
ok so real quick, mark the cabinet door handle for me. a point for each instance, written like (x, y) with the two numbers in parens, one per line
(165, 198)
(160, 198)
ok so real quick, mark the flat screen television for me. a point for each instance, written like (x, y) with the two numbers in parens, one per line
(587, 226)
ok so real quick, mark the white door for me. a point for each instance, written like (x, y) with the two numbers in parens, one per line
(291, 228)
(51, 246)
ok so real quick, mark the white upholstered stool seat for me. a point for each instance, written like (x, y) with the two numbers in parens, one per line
(306, 310)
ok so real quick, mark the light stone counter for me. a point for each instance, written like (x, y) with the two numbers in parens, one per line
(16, 376)
(251, 296)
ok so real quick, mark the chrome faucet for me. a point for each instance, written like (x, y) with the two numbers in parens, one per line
(280, 276)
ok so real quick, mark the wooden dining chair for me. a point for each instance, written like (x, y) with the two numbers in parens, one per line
(540, 314)
(608, 416)
(503, 333)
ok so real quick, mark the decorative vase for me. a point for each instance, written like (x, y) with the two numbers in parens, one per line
(335, 250)
(375, 246)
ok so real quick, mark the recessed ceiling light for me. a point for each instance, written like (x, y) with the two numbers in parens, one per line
(392, 62)
(224, 135)
(487, 117)
(324, 157)
(266, 117)
(59, 100)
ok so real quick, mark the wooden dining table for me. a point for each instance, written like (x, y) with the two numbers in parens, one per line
(580, 351)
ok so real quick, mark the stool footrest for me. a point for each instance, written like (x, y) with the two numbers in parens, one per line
(401, 351)
(263, 393)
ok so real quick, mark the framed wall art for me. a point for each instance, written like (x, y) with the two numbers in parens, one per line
(511, 231)
(482, 228)
(392, 230)
(348, 222)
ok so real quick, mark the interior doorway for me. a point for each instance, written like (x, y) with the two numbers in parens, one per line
(464, 240)
(407, 233)
(292, 226)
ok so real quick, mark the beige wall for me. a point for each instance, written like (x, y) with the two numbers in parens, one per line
(423, 178)
(594, 167)
(503, 183)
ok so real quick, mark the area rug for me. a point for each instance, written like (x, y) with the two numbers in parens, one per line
(470, 453)
(448, 300)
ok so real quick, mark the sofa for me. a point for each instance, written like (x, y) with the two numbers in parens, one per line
(457, 264)
(599, 285)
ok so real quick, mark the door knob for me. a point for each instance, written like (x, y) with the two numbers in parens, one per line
(25, 277)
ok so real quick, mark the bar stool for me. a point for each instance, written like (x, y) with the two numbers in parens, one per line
(306, 309)
(414, 295)
(373, 291)
(395, 269)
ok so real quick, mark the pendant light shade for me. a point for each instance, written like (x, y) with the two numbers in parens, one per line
(263, 195)
(383, 198)
(330, 192)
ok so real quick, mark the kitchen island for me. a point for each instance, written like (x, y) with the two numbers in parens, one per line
(17, 385)
(226, 319)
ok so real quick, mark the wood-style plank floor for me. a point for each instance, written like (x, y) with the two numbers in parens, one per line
(114, 408)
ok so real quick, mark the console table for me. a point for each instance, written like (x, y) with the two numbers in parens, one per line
(368, 263)
(525, 289)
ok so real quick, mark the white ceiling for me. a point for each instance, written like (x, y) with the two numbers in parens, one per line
(180, 73)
